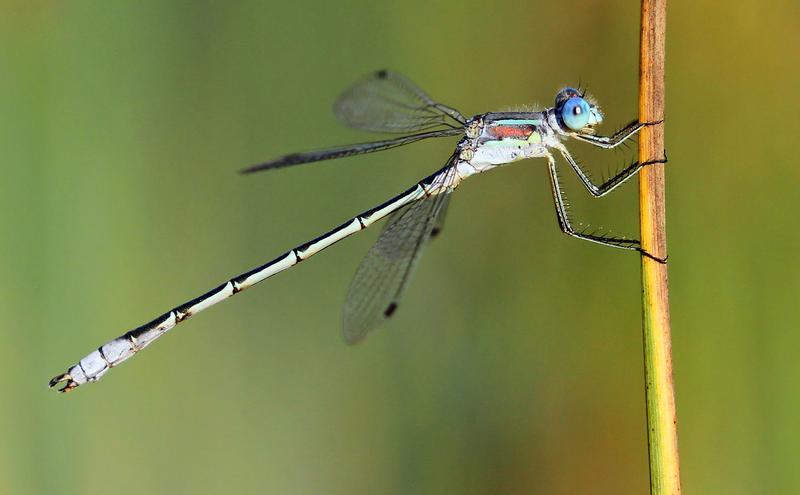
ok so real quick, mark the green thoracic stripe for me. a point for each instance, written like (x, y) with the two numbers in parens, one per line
(535, 137)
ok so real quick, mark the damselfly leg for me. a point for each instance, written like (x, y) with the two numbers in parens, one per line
(565, 223)
(611, 183)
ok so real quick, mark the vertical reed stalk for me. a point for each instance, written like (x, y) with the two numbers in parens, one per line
(659, 387)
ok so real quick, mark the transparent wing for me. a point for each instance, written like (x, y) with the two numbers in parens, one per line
(346, 150)
(438, 225)
(386, 101)
(384, 272)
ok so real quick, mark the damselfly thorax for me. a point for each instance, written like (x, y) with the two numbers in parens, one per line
(500, 138)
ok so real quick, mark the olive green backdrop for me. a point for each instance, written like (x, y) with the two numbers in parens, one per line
(514, 364)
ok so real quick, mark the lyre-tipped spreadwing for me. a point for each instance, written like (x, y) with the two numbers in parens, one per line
(387, 102)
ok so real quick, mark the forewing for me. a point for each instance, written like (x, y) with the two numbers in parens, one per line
(386, 101)
(346, 150)
(384, 272)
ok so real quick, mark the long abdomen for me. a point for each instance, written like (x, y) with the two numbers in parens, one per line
(98, 362)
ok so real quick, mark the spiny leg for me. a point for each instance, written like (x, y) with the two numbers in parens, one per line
(566, 225)
(613, 182)
(617, 138)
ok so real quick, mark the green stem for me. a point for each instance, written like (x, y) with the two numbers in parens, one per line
(662, 433)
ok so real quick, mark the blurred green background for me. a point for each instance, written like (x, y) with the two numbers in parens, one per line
(514, 365)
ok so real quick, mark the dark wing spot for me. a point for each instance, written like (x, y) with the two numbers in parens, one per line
(390, 310)
(381, 74)
(436, 231)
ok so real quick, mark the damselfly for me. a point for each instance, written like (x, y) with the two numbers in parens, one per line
(387, 102)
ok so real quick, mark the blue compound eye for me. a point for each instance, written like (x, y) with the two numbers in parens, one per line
(575, 113)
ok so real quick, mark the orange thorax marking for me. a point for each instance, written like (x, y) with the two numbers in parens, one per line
(511, 131)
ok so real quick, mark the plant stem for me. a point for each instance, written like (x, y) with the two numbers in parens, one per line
(662, 432)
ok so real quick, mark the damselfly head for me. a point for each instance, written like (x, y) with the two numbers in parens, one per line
(576, 111)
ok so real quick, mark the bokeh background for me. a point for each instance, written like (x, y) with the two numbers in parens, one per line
(514, 365)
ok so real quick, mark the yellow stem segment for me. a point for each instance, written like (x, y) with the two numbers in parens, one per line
(659, 387)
